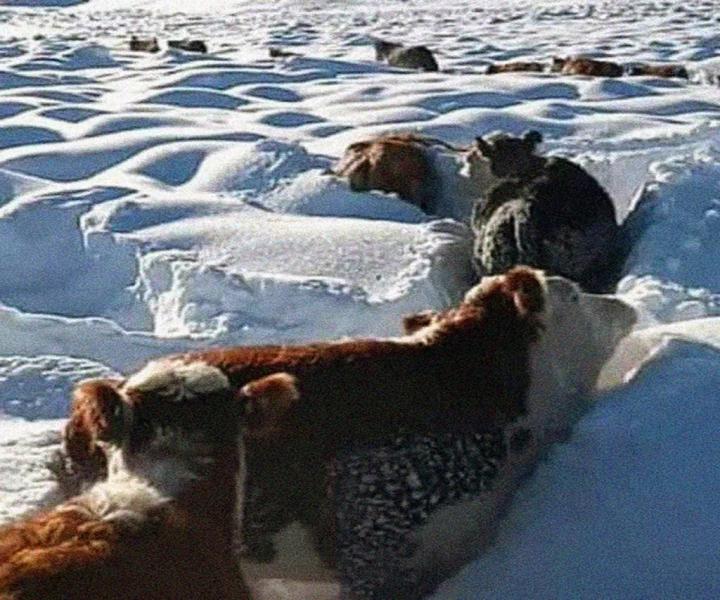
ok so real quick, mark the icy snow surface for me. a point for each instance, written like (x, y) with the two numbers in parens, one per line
(151, 203)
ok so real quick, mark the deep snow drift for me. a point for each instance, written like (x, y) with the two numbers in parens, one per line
(150, 203)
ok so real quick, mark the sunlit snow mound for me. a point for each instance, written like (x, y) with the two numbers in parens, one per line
(627, 508)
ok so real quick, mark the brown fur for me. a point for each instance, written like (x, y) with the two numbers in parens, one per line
(469, 371)
(180, 548)
(69, 554)
(667, 71)
(413, 323)
(470, 374)
(267, 401)
(515, 67)
(586, 66)
(91, 421)
(391, 163)
(189, 45)
(473, 371)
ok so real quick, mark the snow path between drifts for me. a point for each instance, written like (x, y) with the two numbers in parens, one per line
(153, 203)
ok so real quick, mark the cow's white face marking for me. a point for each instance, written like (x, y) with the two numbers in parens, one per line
(580, 334)
(176, 380)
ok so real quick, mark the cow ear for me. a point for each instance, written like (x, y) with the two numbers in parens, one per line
(358, 146)
(483, 147)
(526, 289)
(97, 414)
(532, 138)
(413, 323)
(267, 402)
(102, 406)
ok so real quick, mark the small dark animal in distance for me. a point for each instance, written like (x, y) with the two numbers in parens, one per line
(671, 70)
(515, 67)
(189, 45)
(276, 52)
(405, 57)
(144, 44)
(578, 65)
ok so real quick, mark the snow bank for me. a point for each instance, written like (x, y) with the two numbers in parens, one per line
(262, 278)
(627, 508)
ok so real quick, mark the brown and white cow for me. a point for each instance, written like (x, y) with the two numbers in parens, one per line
(161, 526)
(511, 364)
(436, 176)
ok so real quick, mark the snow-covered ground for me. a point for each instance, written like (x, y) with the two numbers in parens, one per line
(150, 203)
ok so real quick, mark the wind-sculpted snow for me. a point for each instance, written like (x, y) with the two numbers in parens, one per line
(672, 270)
(261, 278)
(39, 387)
(151, 203)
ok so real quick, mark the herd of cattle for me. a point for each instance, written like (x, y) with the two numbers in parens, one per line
(396, 455)
(546, 212)
(421, 58)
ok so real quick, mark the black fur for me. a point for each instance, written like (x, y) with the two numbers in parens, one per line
(547, 213)
(189, 45)
(377, 496)
(405, 57)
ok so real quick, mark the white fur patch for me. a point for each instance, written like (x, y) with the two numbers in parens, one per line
(122, 498)
(477, 170)
(581, 332)
(176, 380)
(129, 497)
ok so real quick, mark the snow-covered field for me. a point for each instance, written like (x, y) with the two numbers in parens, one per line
(150, 203)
